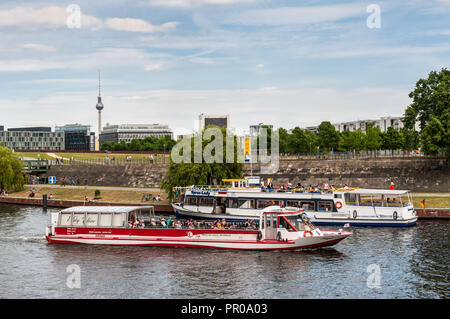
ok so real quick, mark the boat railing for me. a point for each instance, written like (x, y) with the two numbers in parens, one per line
(200, 225)
(378, 204)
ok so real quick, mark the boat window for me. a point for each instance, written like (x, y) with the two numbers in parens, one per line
(293, 203)
(232, 203)
(205, 201)
(352, 199)
(337, 195)
(78, 219)
(91, 219)
(246, 203)
(105, 220)
(261, 203)
(66, 219)
(118, 220)
(291, 223)
(144, 215)
(326, 206)
(190, 200)
(307, 205)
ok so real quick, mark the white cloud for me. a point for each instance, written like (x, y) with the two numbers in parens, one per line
(386, 51)
(194, 3)
(138, 25)
(38, 47)
(101, 59)
(48, 17)
(297, 15)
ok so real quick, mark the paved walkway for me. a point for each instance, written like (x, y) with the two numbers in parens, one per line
(147, 189)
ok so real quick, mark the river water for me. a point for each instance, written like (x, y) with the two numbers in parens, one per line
(373, 263)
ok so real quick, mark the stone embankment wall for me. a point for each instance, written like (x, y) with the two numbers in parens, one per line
(417, 174)
(131, 175)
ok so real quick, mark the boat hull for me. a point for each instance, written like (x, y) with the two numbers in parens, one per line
(203, 240)
(366, 222)
(359, 221)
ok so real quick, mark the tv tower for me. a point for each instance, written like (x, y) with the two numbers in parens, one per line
(99, 105)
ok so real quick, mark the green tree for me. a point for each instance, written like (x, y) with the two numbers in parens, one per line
(392, 139)
(11, 177)
(302, 141)
(192, 173)
(372, 141)
(432, 136)
(351, 141)
(284, 141)
(411, 139)
(431, 106)
(327, 137)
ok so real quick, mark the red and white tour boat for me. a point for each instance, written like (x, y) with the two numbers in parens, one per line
(277, 229)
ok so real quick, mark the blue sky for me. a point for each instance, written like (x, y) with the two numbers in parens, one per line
(289, 63)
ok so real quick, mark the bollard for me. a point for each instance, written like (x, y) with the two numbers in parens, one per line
(44, 201)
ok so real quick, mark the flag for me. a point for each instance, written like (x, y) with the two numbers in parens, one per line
(422, 203)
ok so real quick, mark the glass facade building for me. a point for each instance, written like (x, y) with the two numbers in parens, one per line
(77, 137)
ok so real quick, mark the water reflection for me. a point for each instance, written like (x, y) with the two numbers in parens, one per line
(413, 263)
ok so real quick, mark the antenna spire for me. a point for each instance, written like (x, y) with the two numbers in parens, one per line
(99, 84)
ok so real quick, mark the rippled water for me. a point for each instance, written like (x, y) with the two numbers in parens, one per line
(413, 263)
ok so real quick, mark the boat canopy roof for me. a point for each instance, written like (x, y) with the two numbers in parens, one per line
(374, 191)
(282, 210)
(105, 209)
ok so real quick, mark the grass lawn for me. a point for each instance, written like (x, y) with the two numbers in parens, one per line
(432, 202)
(118, 157)
(111, 196)
(97, 157)
(34, 155)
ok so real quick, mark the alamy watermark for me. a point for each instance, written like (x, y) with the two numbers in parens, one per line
(374, 279)
(73, 21)
(74, 279)
(191, 149)
(374, 19)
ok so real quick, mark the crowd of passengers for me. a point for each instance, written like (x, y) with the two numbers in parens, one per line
(301, 188)
(192, 224)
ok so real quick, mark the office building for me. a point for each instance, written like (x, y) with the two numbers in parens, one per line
(128, 132)
(77, 137)
(32, 140)
(217, 120)
(255, 130)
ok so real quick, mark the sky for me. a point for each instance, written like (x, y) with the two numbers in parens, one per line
(282, 62)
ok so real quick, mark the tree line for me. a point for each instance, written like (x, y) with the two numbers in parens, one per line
(150, 143)
(327, 139)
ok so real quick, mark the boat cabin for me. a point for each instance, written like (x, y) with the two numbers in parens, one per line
(104, 216)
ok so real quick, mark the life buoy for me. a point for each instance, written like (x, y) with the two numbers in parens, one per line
(307, 232)
(395, 216)
(338, 205)
(189, 234)
(355, 214)
(259, 236)
(279, 236)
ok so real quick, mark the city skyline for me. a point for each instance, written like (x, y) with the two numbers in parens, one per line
(280, 62)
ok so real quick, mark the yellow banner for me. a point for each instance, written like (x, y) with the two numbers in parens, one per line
(247, 149)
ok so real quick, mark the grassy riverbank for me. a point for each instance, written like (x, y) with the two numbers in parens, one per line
(107, 194)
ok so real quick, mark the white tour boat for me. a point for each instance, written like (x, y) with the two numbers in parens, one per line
(354, 206)
(277, 229)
